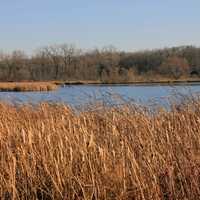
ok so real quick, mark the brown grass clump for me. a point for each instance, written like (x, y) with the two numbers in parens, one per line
(49, 152)
(27, 86)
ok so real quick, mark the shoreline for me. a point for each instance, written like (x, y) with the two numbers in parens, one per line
(136, 83)
(37, 86)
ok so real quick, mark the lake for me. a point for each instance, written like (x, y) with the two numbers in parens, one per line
(82, 94)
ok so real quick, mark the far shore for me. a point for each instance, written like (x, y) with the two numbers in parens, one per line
(39, 86)
(145, 82)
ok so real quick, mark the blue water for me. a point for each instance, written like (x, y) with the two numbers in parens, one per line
(81, 94)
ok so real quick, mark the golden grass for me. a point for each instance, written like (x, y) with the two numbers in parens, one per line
(49, 152)
(27, 86)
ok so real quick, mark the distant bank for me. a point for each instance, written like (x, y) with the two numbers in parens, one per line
(28, 86)
(144, 82)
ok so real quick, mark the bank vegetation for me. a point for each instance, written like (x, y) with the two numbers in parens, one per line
(27, 86)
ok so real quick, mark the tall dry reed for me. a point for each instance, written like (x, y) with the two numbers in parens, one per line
(51, 152)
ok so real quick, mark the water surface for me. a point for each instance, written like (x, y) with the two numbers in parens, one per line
(81, 94)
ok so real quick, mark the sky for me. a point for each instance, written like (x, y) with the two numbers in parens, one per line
(129, 25)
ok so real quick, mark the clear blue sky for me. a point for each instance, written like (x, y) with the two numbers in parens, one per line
(127, 24)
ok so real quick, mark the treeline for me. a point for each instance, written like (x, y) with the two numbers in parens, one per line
(65, 62)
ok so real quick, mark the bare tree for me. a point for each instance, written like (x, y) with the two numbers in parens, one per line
(174, 66)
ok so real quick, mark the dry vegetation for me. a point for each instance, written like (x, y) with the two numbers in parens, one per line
(27, 86)
(51, 152)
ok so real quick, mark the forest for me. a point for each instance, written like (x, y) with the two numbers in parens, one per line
(107, 65)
